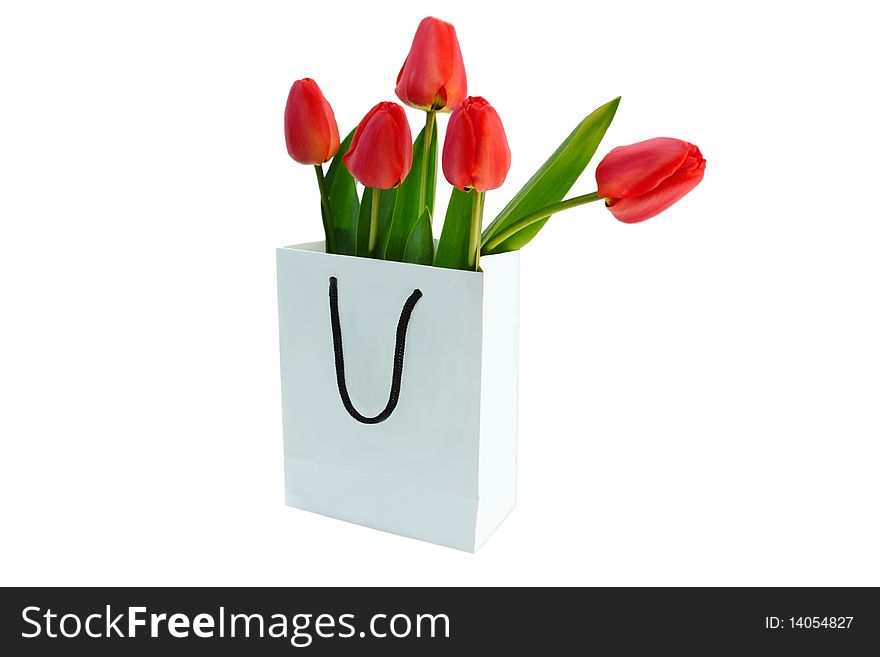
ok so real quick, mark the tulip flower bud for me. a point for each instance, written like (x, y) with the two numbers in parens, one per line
(309, 124)
(433, 77)
(643, 179)
(475, 154)
(380, 155)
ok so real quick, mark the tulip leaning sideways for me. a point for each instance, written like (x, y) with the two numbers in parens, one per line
(476, 158)
(312, 137)
(641, 180)
(637, 182)
(380, 155)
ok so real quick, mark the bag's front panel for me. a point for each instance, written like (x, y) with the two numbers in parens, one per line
(431, 439)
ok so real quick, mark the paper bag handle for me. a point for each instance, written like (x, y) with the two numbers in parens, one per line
(397, 372)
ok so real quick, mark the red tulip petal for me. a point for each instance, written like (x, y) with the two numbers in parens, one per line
(360, 129)
(333, 142)
(636, 169)
(492, 161)
(459, 149)
(454, 89)
(404, 150)
(634, 209)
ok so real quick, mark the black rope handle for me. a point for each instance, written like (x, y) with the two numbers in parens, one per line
(397, 372)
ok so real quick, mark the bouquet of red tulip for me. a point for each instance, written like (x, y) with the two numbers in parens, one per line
(392, 218)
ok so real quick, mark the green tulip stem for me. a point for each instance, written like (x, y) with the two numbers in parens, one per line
(493, 241)
(326, 217)
(430, 122)
(476, 228)
(374, 223)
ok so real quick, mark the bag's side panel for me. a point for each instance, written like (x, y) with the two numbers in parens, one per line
(500, 376)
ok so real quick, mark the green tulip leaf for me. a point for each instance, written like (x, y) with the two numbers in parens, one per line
(363, 227)
(344, 205)
(452, 250)
(406, 207)
(386, 208)
(420, 243)
(552, 181)
(386, 211)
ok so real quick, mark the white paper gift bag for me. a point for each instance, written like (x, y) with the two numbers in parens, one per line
(399, 392)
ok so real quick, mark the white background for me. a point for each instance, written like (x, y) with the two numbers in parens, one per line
(699, 393)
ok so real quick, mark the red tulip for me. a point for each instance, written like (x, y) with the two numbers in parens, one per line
(475, 154)
(380, 155)
(643, 179)
(309, 124)
(433, 77)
